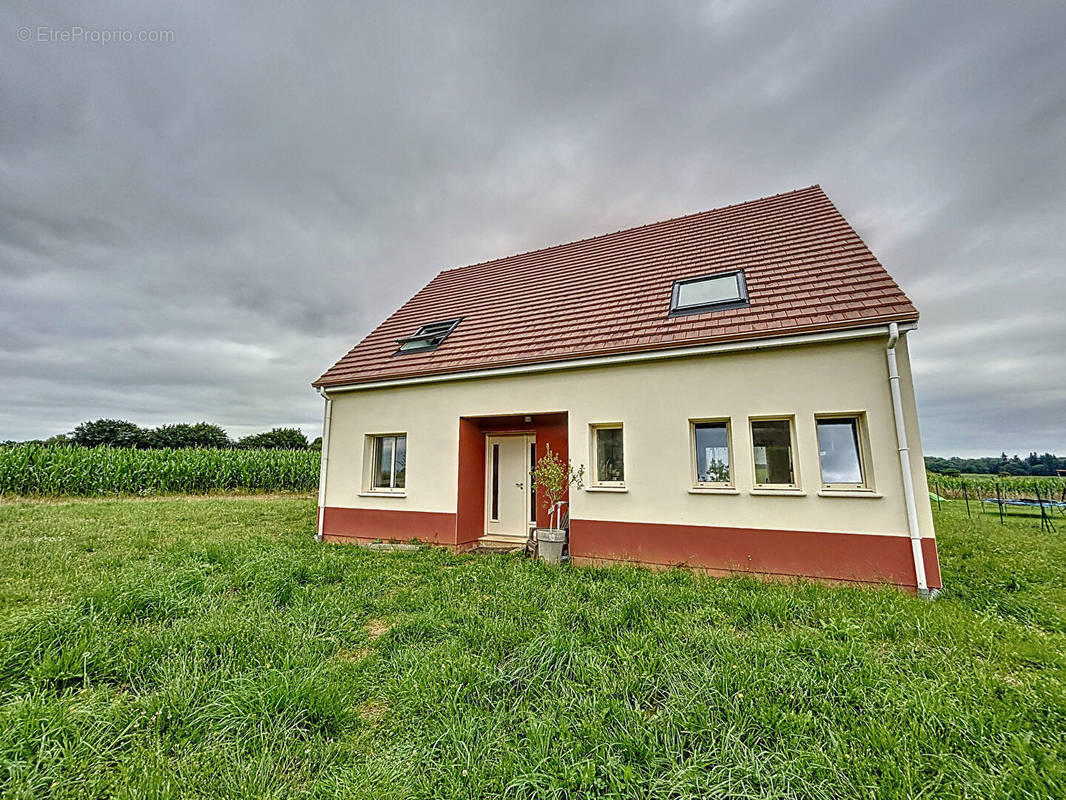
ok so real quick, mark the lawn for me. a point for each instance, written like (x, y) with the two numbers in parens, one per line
(209, 647)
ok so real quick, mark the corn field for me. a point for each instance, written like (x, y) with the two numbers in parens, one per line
(1010, 486)
(61, 470)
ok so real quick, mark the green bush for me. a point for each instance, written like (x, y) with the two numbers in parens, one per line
(109, 433)
(202, 434)
(276, 439)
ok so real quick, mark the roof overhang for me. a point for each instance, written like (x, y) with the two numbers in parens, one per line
(795, 340)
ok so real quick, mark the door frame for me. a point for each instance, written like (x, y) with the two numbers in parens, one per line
(529, 504)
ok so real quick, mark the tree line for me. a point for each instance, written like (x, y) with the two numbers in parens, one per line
(122, 433)
(1046, 464)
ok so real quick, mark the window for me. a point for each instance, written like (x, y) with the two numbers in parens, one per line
(608, 456)
(840, 452)
(532, 483)
(710, 442)
(495, 516)
(428, 337)
(709, 293)
(390, 462)
(771, 441)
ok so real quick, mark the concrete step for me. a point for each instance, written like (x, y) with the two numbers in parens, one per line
(500, 544)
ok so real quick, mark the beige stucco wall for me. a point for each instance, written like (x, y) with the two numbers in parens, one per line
(654, 401)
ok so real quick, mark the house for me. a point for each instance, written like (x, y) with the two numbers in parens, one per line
(736, 383)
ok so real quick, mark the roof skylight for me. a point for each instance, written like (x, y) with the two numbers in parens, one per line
(709, 293)
(428, 337)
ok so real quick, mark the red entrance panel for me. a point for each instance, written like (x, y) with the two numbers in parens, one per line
(550, 431)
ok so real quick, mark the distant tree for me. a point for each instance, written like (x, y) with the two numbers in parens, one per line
(317, 443)
(1015, 466)
(208, 435)
(276, 439)
(1046, 464)
(935, 464)
(58, 439)
(175, 436)
(109, 432)
(202, 434)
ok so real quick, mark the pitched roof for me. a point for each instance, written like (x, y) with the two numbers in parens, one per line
(806, 270)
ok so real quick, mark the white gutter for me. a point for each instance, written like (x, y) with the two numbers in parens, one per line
(327, 415)
(905, 463)
(627, 358)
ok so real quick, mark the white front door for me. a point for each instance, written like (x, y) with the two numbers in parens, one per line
(507, 485)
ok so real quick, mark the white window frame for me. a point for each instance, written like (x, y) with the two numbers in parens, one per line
(694, 462)
(776, 487)
(369, 466)
(594, 430)
(863, 442)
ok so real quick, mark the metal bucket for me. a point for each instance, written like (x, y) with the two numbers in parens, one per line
(550, 543)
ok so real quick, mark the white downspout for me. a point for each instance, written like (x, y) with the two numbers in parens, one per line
(905, 463)
(327, 415)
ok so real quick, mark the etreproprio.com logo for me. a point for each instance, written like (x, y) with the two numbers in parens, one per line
(77, 33)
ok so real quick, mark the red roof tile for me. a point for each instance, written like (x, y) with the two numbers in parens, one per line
(806, 270)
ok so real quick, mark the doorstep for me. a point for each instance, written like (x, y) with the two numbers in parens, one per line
(499, 544)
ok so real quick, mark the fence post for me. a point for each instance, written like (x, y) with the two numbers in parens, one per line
(966, 497)
(936, 491)
(1045, 521)
(999, 502)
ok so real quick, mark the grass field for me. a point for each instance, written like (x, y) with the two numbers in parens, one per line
(208, 647)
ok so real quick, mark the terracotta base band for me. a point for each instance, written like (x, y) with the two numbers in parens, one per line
(846, 557)
(809, 554)
(371, 524)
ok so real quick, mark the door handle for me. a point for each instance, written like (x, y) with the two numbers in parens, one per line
(520, 485)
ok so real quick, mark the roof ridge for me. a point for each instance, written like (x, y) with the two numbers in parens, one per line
(690, 215)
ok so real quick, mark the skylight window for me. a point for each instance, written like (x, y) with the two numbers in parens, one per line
(428, 337)
(709, 293)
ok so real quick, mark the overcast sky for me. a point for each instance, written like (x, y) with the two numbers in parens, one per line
(196, 228)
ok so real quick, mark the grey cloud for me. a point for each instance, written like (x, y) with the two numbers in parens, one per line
(196, 229)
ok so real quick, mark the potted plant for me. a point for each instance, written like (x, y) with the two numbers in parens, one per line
(554, 477)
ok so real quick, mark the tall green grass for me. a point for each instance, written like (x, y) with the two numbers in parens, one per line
(202, 648)
(40, 470)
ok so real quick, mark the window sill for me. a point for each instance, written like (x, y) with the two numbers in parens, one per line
(714, 490)
(779, 492)
(382, 494)
(867, 493)
(615, 489)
